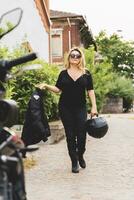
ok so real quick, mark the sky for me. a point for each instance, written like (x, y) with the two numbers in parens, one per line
(114, 16)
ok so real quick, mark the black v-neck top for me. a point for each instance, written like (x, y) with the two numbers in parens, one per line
(73, 92)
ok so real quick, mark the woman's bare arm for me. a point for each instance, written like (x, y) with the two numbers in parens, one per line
(49, 87)
(92, 97)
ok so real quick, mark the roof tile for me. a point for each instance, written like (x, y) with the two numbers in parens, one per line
(60, 14)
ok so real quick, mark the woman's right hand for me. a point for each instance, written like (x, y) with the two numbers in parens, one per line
(41, 86)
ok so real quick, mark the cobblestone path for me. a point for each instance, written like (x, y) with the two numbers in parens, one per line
(110, 167)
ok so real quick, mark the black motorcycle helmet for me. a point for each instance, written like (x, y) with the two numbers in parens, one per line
(96, 127)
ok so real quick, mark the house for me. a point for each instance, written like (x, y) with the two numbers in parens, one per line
(49, 33)
(34, 30)
(68, 30)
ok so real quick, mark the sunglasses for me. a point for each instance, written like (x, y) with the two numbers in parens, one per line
(77, 56)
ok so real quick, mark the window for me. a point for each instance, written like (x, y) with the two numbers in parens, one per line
(56, 43)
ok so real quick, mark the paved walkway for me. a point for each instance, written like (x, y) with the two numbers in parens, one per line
(110, 167)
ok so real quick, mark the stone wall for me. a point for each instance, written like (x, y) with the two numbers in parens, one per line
(113, 105)
(56, 127)
(57, 132)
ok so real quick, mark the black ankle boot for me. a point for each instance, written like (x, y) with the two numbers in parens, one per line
(75, 167)
(82, 162)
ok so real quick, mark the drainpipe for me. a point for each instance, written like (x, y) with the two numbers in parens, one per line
(69, 33)
(50, 46)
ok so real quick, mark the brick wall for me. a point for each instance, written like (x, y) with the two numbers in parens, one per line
(74, 35)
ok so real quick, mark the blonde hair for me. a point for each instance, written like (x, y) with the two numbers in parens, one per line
(81, 64)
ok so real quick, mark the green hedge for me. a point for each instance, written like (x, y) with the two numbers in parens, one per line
(106, 83)
(22, 87)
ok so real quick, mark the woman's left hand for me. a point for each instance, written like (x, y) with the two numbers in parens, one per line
(94, 112)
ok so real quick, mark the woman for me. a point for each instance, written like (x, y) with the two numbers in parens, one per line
(72, 83)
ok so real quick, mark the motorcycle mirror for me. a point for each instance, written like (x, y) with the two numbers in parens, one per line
(10, 20)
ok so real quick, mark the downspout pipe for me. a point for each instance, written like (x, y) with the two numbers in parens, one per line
(69, 33)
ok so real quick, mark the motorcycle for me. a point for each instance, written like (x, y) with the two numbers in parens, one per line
(12, 180)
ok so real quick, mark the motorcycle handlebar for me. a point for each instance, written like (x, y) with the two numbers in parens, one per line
(4, 159)
(8, 64)
(6, 142)
(21, 60)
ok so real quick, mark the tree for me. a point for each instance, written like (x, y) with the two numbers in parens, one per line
(102, 76)
(108, 82)
(118, 51)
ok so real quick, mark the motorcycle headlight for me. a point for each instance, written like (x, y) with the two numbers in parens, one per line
(8, 113)
(2, 91)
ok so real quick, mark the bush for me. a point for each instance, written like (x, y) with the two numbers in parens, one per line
(102, 75)
(107, 82)
(23, 86)
(122, 87)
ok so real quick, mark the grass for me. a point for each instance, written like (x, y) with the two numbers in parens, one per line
(29, 162)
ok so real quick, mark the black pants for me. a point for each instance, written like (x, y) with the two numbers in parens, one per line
(73, 120)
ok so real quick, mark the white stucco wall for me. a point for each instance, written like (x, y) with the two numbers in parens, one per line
(31, 26)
